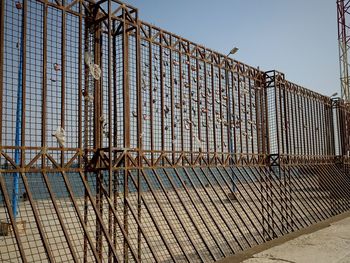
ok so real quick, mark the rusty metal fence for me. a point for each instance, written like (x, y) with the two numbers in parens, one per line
(120, 142)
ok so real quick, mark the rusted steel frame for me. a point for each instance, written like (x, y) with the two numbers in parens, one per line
(246, 90)
(275, 209)
(175, 212)
(98, 134)
(280, 121)
(115, 215)
(139, 136)
(2, 44)
(150, 66)
(12, 218)
(277, 115)
(221, 117)
(285, 189)
(296, 204)
(299, 126)
(344, 174)
(327, 128)
(80, 91)
(324, 128)
(318, 129)
(161, 79)
(173, 148)
(139, 224)
(297, 219)
(331, 187)
(37, 219)
(126, 85)
(60, 219)
(225, 207)
(189, 89)
(126, 126)
(308, 128)
(332, 150)
(252, 182)
(96, 210)
(238, 180)
(267, 208)
(296, 207)
(213, 109)
(63, 76)
(217, 210)
(304, 133)
(81, 219)
(199, 113)
(299, 197)
(44, 85)
(232, 124)
(61, 7)
(171, 253)
(239, 115)
(181, 104)
(292, 126)
(251, 113)
(312, 204)
(249, 217)
(199, 214)
(207, 111)
(338, 191)
(110, 120)
(169, 222)
(321, 204)
(313, 130)
(86, 132)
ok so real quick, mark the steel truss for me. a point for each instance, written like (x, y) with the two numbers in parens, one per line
(176, 153)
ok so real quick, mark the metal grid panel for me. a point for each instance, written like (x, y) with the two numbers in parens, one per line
(176, 153)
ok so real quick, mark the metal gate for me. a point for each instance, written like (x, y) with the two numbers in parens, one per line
(120, 141)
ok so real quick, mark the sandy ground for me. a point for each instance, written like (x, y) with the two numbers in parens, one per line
(329, 245)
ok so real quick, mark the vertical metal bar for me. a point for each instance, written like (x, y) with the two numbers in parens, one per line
(126, 107)
(98, 134)
(172, 88)
(181, 105)
(150, 65)
(63, 77)
(2, 44)
(44, 84)
(139, 137)
(213, 107)
(162, 120)
(221, 117)
(110, 123)
(207, 126)
(12, 219)
(199, 135)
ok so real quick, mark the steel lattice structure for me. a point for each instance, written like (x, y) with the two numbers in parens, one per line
(343, 38)
(175, 153)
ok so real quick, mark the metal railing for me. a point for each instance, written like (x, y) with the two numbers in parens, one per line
(134, 144)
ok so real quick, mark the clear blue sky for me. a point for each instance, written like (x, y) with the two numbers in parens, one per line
(297, 37)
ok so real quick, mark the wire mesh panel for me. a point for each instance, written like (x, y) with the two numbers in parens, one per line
(124, 142)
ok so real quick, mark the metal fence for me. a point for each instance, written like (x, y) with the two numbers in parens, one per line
(123, 142)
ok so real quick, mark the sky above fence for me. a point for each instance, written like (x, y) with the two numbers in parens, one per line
(296, 37)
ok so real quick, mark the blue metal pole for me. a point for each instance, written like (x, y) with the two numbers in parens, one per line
(18, 130)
